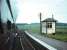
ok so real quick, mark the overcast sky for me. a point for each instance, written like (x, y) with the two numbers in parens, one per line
(28, 10)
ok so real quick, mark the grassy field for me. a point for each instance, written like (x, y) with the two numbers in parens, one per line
(60, 36)
(61, 31)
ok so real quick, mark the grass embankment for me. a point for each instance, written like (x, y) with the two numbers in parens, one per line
(59, 36)
(35, 30)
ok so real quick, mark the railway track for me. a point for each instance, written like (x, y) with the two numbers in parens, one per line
(21, 42)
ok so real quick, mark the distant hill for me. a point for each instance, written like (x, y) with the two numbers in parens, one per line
(61, 24)
(33, 25)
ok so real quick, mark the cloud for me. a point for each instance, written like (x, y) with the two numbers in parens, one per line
(29, 10)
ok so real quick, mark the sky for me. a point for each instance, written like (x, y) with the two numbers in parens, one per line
(28, 10)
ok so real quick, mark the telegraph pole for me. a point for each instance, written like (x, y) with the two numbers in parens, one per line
(40, 24)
